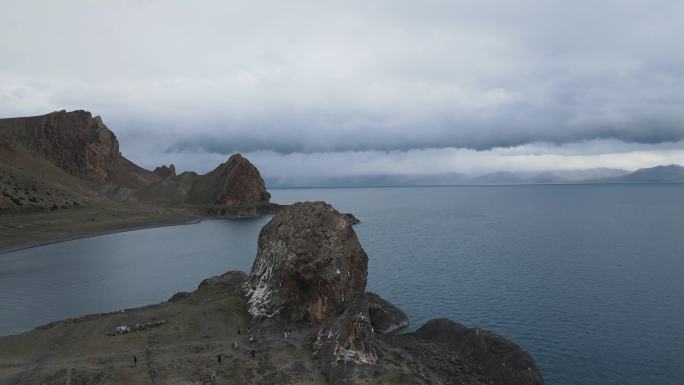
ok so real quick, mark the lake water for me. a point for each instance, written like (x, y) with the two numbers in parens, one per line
(587, 278)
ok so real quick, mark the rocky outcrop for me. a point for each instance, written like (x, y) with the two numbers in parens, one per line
(352, 219)
(76, 156)
(500, 360)
(165, 172)
(75, 142)
(239, 184)
(384, 316)
(309, 265)
(311, 269)
(63, 160)
(234, 188)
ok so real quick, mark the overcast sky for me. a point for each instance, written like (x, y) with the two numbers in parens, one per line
(359, 87)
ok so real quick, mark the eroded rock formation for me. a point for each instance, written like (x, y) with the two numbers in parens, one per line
(76, 142)
(311, 269)
(235, 187)
(455, 354)
(385, 317)
(75, 157)
(309, 265)
(240, 184)
(165, 171)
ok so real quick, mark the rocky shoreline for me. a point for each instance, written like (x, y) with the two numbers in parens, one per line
(301, 316)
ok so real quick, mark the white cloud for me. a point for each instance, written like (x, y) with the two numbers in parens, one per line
(421, 84)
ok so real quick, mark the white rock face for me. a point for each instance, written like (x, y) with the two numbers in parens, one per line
(260, 288)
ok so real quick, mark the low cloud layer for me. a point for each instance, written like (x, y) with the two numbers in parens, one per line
(190, 82)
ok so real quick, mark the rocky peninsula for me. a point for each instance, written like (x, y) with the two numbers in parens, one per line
(300, 316)
(62, 175)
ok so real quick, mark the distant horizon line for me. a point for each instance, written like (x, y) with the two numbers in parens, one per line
(472, 185)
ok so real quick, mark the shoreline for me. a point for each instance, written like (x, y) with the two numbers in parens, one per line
(193, 221)
(31, 245)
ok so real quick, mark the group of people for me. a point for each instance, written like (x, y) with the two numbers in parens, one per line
(236, 347)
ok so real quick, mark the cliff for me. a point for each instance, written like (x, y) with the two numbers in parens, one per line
(70, 160)
(76, 142)
(165, 171)
(233, 188)
(309, 265)
(62, 160)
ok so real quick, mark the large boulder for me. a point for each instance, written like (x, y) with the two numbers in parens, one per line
(384, 316)
(239, 184)
(498, 359)
(309, 265)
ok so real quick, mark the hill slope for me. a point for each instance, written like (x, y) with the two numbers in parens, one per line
(233, 188)
(660, 174)
(62, 175)
(61, 160)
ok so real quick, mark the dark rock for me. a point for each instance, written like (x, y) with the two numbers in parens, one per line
(352, 219)
(165, 172)
(230, 280)
(500, 361)
(384, 316)
(234, 188)
(309, 265)
(76, 142)
(240, 184)
(178, 296)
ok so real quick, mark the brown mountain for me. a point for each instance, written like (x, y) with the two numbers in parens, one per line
(70, 163)
(61, 160)
(76, 142)
(164, 171)
(233, 188)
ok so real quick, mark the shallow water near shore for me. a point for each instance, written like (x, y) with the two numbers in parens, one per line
(589, 279)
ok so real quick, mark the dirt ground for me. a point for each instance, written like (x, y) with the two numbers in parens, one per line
(201, 326)
(32, 229)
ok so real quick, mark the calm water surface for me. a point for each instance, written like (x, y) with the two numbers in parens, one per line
(588, 279)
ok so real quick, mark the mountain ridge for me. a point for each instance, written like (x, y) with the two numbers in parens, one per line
(672, 173)
(80, 145)
(63, 175)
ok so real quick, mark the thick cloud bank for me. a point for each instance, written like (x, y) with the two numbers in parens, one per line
(199, 80)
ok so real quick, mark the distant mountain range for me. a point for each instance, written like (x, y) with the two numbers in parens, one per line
(660, 174)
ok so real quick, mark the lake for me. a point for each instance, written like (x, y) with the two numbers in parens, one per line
(589, 279)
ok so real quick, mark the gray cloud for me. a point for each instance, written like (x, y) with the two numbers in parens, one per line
(175, 79)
